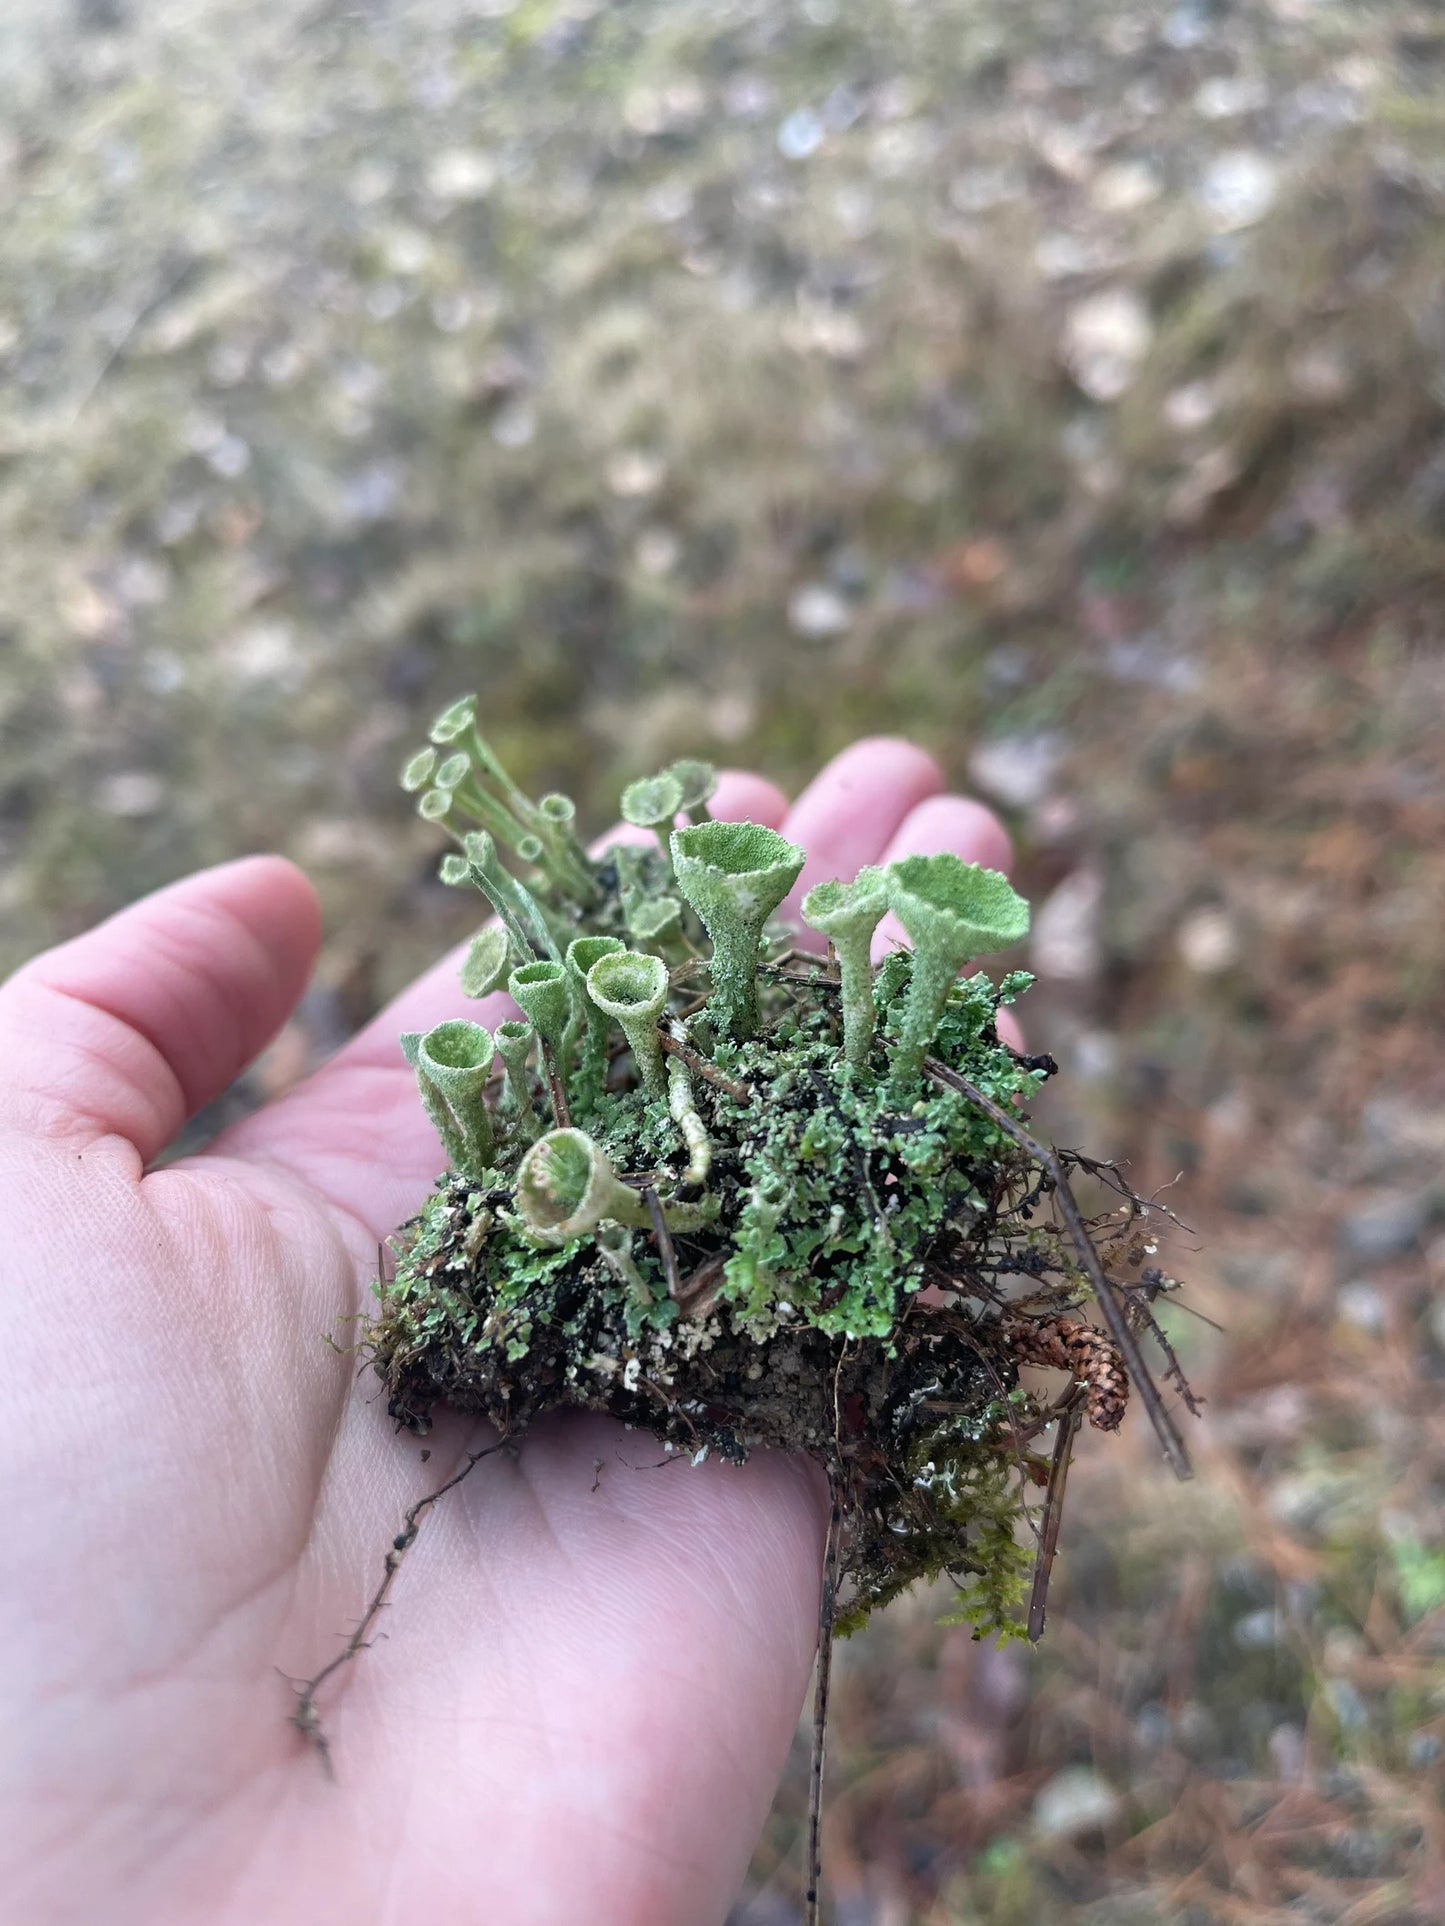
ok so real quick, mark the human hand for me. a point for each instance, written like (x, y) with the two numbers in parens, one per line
(591, 1676)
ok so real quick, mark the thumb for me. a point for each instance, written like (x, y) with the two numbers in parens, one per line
(135, 1026)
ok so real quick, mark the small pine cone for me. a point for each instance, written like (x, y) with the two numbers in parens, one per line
(1086, 1354)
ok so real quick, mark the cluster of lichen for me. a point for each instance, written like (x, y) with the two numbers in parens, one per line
(713, 1177)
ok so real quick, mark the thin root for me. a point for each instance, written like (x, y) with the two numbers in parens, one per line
(827, 1612)
(306, 1718)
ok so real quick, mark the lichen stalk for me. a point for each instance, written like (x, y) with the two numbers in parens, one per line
(514, 904)
(694, 1131)
(952, 911)
(514, 1046)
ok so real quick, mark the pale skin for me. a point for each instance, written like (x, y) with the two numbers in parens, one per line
(587, 1682)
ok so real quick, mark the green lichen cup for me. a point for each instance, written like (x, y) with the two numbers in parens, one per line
(452, 1062)
(697, 781)
(653, 803)
(582, 953)
(734, 875)
(952, 911)
(631, 988)
(543, 993)
(514, 1045)
(488, 962)
(657, 920)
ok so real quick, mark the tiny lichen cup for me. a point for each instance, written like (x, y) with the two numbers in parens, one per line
(952, 911)
(847, 914)
(631, 988)
(452, 1062)
(653, 803)
(657, 921)
(734, 875)
(514, 1045)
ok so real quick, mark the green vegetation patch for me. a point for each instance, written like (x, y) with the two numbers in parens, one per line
(737, 1194)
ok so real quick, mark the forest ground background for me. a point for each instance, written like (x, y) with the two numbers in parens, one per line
(1060, 384)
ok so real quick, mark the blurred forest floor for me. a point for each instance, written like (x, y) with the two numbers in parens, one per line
(1060, 383)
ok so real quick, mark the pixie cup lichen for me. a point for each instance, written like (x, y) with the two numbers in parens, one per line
(847, 914)
(657, 921)
(734, 875)
(593, 1027)
(544, 994)
(952, 911)
(697, 782)
(514, 1039)
(631, 988)
(452, 1063)
(653, 803)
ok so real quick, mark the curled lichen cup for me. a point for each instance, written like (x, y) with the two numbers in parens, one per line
(847, 914)
(952, 911)
(452, 1062)
(488, 960)
(631, 988)
(418, 771)
(542, 992)
(734, 875)
(566, 1187)
(455, 719)
(582, 953)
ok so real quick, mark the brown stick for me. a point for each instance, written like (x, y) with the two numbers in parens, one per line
(827, 1612)
(555, 1087)
(664, 1242)
(816, 978)
(1119, 1328)
(1053, 1515)
(709, 1071)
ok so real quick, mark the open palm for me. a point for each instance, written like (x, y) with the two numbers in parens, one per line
(591, 1675)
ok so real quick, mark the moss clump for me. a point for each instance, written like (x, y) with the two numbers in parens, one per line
(780, 1241)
